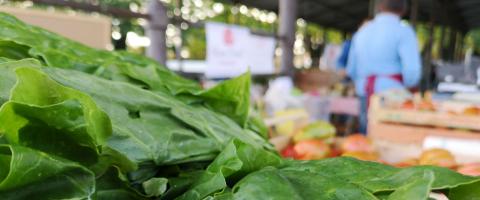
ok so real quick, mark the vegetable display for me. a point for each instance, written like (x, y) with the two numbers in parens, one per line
(80, 123)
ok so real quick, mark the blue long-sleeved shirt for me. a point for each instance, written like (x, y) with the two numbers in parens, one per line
(383, 47)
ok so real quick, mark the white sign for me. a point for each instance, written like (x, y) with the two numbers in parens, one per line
(260, 53)
(465, 150)
(232, 50)
(330, 56)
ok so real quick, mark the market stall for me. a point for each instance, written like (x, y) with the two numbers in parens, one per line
(83, 123)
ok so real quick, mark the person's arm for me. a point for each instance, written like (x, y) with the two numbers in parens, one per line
(352, 62)
(410, 58)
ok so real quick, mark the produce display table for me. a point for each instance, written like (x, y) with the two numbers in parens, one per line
(422, 118)
(413, 127)
(345, 105)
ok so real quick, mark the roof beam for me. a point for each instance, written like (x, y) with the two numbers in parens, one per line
(116, 12)
(343, 16)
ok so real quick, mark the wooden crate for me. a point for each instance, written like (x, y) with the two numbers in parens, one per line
(397, 142)
(410, 126)
(379, 113)
(425, 118)
(408, 134)
(404, 128)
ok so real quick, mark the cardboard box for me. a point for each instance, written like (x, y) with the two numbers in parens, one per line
(93, 31)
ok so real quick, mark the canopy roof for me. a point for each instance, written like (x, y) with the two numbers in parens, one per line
(346, 15)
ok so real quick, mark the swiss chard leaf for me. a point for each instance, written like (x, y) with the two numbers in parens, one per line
(444, 179)
(418, 189)
(30, 89)
(155, 187)
(33, 174)
(157, 126)
(465, 192)
(279, 184)
(236, 161)
(231, 98)
(113, 185)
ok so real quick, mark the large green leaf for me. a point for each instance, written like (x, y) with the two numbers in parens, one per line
(59, 130)
(30, 89)
(60, 120)
(236, 160)
(11, 50)
(231, 98)
(7, 77)
(155, 187)
(60, 52)
(444, 179)
(346, 168)
(256, 124)
(157, 126)
(113, 185)
(466, 192)
(32, 174)
(417, 189)
(279, 184)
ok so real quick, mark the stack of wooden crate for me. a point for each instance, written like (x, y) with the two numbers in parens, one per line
(413, 126)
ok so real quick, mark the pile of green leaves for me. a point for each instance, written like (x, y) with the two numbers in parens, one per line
(80, 123)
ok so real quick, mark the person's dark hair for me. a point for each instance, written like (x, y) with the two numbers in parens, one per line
(396, 6)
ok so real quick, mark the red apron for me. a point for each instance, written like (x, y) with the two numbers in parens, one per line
(370, 86)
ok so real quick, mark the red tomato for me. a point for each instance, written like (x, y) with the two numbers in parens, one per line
(289, 152)
(312, 149)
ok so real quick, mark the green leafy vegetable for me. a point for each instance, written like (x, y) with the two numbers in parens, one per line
(466, 192)
(114, 185)
(155, 186)
(272, 183)
(231, 98)
(418, 189)
(237, 160)
(33, 174)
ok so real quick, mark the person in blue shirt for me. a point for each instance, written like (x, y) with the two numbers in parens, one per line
(343, 58)
(384, 55)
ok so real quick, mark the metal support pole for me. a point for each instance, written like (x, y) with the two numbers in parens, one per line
(443, 19)
(441, 46)
(179, 46)
(155, 30)
(427, 57)
(459, 46)
(414, 13)
(452, 43)
(372, 8)
(286, 30)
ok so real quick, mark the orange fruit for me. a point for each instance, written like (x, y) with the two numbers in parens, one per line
(366, 156)
(437, 157)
